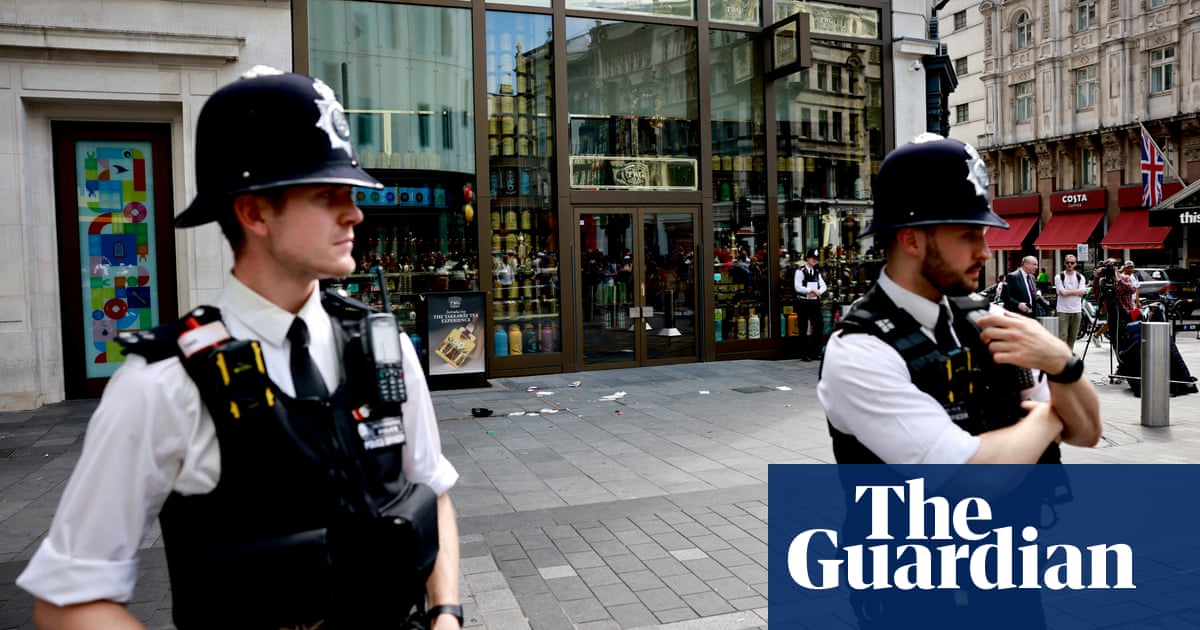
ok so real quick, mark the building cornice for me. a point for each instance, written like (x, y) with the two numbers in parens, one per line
(208, 48)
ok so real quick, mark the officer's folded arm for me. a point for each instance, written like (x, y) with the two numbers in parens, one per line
(1026, 343)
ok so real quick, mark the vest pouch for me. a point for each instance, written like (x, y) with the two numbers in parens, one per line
(408, 527)
(285, 581)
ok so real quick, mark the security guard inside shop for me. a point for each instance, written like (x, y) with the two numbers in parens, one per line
(284, 437)
(920, 372)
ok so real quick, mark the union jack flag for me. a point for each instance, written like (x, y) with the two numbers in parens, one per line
(1152, 171)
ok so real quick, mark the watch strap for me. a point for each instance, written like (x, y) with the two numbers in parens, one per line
(1072, 372)
(446, 609)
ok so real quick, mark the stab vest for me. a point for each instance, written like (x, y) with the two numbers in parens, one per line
(992, 395)
(291, 534)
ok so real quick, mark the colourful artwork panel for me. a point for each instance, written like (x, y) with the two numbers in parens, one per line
(119, 277)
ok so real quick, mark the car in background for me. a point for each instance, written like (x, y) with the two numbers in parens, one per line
(1175, 287)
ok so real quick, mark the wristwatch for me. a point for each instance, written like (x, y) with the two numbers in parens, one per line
(446, 609)
(1071, 373)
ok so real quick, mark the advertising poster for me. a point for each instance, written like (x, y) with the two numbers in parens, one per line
(984, 546)
(455, 346)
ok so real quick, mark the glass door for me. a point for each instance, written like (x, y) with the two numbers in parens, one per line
(637, 286)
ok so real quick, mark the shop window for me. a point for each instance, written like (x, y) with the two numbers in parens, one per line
(524, 262)
(667, 9)
(1024, 101)
(740, 262)
(824, 187)
(1085, 88)
(735, 11)
(635, 124)
(1162, 69)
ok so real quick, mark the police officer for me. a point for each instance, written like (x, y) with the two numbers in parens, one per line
(810, 286)
(293, 489)
(884, 384)
(909, 378)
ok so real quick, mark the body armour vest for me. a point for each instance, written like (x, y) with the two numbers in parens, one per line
(296, 532)
(978, 394)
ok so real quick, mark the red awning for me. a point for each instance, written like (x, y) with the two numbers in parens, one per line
(1011, 239)
(1067, 229)
(1132, 230)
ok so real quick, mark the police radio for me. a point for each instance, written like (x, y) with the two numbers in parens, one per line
(383, 344)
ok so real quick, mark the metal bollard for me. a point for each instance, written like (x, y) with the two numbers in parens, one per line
(669, 329)
(1050, 323)
(1156, 374)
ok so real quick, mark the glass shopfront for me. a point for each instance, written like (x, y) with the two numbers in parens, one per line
(598, 157)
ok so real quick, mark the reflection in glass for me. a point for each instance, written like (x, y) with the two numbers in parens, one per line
(824, 172)
(832, 19)
(633, 103)
(734, 11)
(404, 77)
(740, 261)
(526, 312)
(673, 8)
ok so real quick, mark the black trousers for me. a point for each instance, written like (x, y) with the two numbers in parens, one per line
(809, 311)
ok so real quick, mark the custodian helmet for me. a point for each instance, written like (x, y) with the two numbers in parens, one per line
(266, 130)
(930, 181)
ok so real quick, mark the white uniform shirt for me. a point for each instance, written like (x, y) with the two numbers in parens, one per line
(806, 290)
(1073, 282)
(867, 392)
(151, 434)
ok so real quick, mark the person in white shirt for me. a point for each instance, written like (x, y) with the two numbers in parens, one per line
(284, 500)
(1129, 270)
(810, 286)
(1070, 287)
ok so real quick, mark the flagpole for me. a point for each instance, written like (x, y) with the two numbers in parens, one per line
(1163, 153)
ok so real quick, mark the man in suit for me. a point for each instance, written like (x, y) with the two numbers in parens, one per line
(1020, 288)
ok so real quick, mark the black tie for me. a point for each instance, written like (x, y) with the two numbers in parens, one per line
(941, 331)
(305, 377)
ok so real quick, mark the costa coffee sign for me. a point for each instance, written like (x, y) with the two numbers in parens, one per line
(1094, 199)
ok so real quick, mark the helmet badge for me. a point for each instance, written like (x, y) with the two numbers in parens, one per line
(333, 119)
(976, 171)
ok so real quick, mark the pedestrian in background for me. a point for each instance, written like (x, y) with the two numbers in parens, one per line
(1020, 288)
(294, 489)
(1070, 287)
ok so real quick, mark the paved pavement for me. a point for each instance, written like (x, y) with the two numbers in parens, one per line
(635, 499)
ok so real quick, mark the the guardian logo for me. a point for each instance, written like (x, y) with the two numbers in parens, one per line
(976, 552)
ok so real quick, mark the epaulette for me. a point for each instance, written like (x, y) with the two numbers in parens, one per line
(162, 342)
(340, 305)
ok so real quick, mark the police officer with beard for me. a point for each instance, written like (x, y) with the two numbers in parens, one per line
(909, 378)
(284, 438)
(884, 383)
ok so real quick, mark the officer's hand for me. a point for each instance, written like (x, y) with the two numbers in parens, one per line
(1023, 342)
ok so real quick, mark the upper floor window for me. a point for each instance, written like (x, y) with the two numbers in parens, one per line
(1085, 14)
(1162, 69)
(822, 124)
(1157, 3)
(1024, 98)
(837, 126)
(960, 66)
(1022, 33)
(962, 113)
(835, 79)
(1089, 167)
(1085, 88)
(960, 20)
(805, 122)
(822, 72)
(1024, 175)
